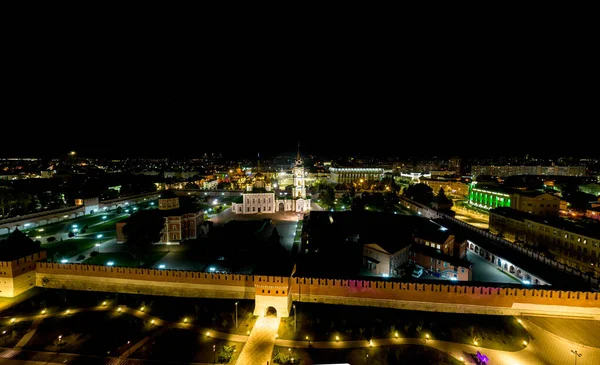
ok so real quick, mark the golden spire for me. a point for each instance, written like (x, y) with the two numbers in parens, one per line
(298, 157)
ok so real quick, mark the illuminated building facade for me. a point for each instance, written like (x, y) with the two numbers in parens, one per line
(260, 198)
(510, 170)
(343, 175)
(526, 201)
(573, 244)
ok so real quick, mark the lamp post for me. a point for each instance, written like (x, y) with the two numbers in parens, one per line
(214, 354)
(236, 316)
(577, 354)
(295, 321)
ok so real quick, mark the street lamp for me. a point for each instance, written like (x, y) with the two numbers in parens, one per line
(295, 321)
(214, 354)
(577, 354)
(236, 316)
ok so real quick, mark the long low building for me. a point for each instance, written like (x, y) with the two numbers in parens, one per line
(342, 175)
(575, 244)
(511, 170)
(535, 202)
(451, 187)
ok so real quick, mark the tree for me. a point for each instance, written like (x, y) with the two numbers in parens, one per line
(327, 196)
(141, 231)
(191, 186)
(358, 204)
(275, 238)
(225, 354)
(346, 199)
(420, 192)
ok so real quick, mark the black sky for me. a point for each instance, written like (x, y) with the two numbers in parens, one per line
(148, 93)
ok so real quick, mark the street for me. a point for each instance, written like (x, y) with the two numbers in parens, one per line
(485, 271)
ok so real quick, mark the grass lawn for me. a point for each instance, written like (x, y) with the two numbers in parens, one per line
(185, 346)
(11, 333)
(70, 247)
(108, 225)
(123, 259)
(384, 355)
(322, 322)
(90, 333)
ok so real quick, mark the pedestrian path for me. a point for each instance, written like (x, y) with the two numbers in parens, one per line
(32, 329)
(259, 347)
(543, 347)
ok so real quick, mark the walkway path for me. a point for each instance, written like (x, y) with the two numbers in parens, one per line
(259, 348)
(543, 348)
(32, 329)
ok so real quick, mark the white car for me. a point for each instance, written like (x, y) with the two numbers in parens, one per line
(417, 272)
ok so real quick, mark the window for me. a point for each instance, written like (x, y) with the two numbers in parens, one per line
(174, 227)
(584, 241)
(438, 247)
(438, 270)
(438, 262)
(254, 209)
(427, 244)
(445, 264)
(432, 261)
(248, 209)
(462, 270)
(431, 267)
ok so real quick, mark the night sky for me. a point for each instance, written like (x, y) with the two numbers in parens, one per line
(141, 96)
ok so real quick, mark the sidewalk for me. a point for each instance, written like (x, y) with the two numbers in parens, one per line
(259, 348)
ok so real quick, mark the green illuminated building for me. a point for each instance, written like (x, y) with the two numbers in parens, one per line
(487, 198)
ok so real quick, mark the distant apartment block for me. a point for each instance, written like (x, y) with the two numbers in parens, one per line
(510, 170)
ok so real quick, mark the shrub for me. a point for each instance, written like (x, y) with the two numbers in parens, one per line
(93, 253)
(71, 234)
(80, 257)
(51, 239)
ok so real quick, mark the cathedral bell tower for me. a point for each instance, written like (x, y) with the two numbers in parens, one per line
(299, 188)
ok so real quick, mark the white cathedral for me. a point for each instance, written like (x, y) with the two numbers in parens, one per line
(260, 197)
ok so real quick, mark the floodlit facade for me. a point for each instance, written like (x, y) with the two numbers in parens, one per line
(342, 175)
(574, 244)
(526, 201)
(260, 197)
(510, 170)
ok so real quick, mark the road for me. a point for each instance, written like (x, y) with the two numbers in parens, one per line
(485, 271)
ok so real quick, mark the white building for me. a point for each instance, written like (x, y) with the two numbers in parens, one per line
(260, 197)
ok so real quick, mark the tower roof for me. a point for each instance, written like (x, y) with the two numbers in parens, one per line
(17, 245)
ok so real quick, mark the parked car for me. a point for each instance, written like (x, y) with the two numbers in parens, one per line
(417, 272)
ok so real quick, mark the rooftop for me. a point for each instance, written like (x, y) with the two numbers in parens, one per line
(582, 227)
(17, 245)
(556, 278)
(432, 252)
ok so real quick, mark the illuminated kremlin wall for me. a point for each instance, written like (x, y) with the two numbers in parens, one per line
(280, 292)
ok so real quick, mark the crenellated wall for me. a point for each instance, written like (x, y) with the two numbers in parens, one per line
(280, 292)
(446, 298)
